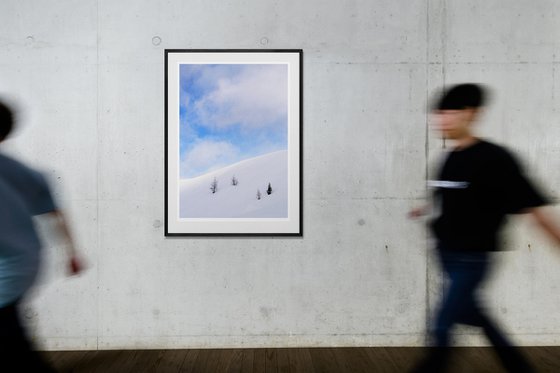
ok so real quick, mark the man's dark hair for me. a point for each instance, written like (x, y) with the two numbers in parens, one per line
(461, 96)
(6, 121)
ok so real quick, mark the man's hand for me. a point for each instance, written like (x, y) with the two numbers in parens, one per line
(417, 212)
(75, 265)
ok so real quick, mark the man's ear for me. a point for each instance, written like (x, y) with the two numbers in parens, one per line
(472, 113)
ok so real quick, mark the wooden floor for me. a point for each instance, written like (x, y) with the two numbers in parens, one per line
(304, 360)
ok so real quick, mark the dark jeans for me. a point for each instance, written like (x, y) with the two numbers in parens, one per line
(466, 271)
(16, 353)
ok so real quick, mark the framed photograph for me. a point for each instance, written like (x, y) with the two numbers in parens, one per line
(233, 142)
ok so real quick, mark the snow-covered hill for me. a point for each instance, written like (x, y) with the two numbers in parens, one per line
(196, 199)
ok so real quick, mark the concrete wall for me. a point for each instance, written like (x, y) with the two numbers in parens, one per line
(88, 76)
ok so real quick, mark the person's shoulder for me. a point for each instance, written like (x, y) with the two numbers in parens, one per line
(15, 163)
(8, 162)
(12, 168)
(490, 147)
(499, 155)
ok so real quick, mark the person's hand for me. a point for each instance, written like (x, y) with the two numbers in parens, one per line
(75, 265)
(417, 212)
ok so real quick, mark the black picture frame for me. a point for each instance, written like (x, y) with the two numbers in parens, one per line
(216, 102)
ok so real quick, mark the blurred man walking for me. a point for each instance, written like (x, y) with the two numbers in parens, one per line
(478, 184)
(24, 193)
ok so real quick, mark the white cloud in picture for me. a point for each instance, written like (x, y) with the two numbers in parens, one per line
(208, 155)
(256, 98)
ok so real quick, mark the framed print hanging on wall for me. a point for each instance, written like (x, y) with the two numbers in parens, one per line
(233, 142)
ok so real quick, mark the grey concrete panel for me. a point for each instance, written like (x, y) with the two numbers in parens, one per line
(499, 32)
(360, 31)
(131, 147)
(271, 286)
(48, 33)
(89, 77)
(358, 144)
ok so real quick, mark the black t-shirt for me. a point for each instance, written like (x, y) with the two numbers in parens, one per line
(476, 188)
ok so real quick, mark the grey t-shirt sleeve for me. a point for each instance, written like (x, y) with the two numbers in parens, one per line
(31, 186)
(40, 200)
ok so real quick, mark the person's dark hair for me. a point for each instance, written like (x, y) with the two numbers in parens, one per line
(6, 121)
(461, 96)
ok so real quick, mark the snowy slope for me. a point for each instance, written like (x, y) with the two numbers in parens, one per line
(196, 200)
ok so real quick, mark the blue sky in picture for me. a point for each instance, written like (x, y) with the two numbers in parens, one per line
(230, 112)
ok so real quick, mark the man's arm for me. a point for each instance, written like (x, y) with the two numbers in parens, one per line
(75, 264)
(546, 221)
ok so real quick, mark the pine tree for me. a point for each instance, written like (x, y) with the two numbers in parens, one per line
(269, 190)
(214, 186)
(234, 181)
(258, 194)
